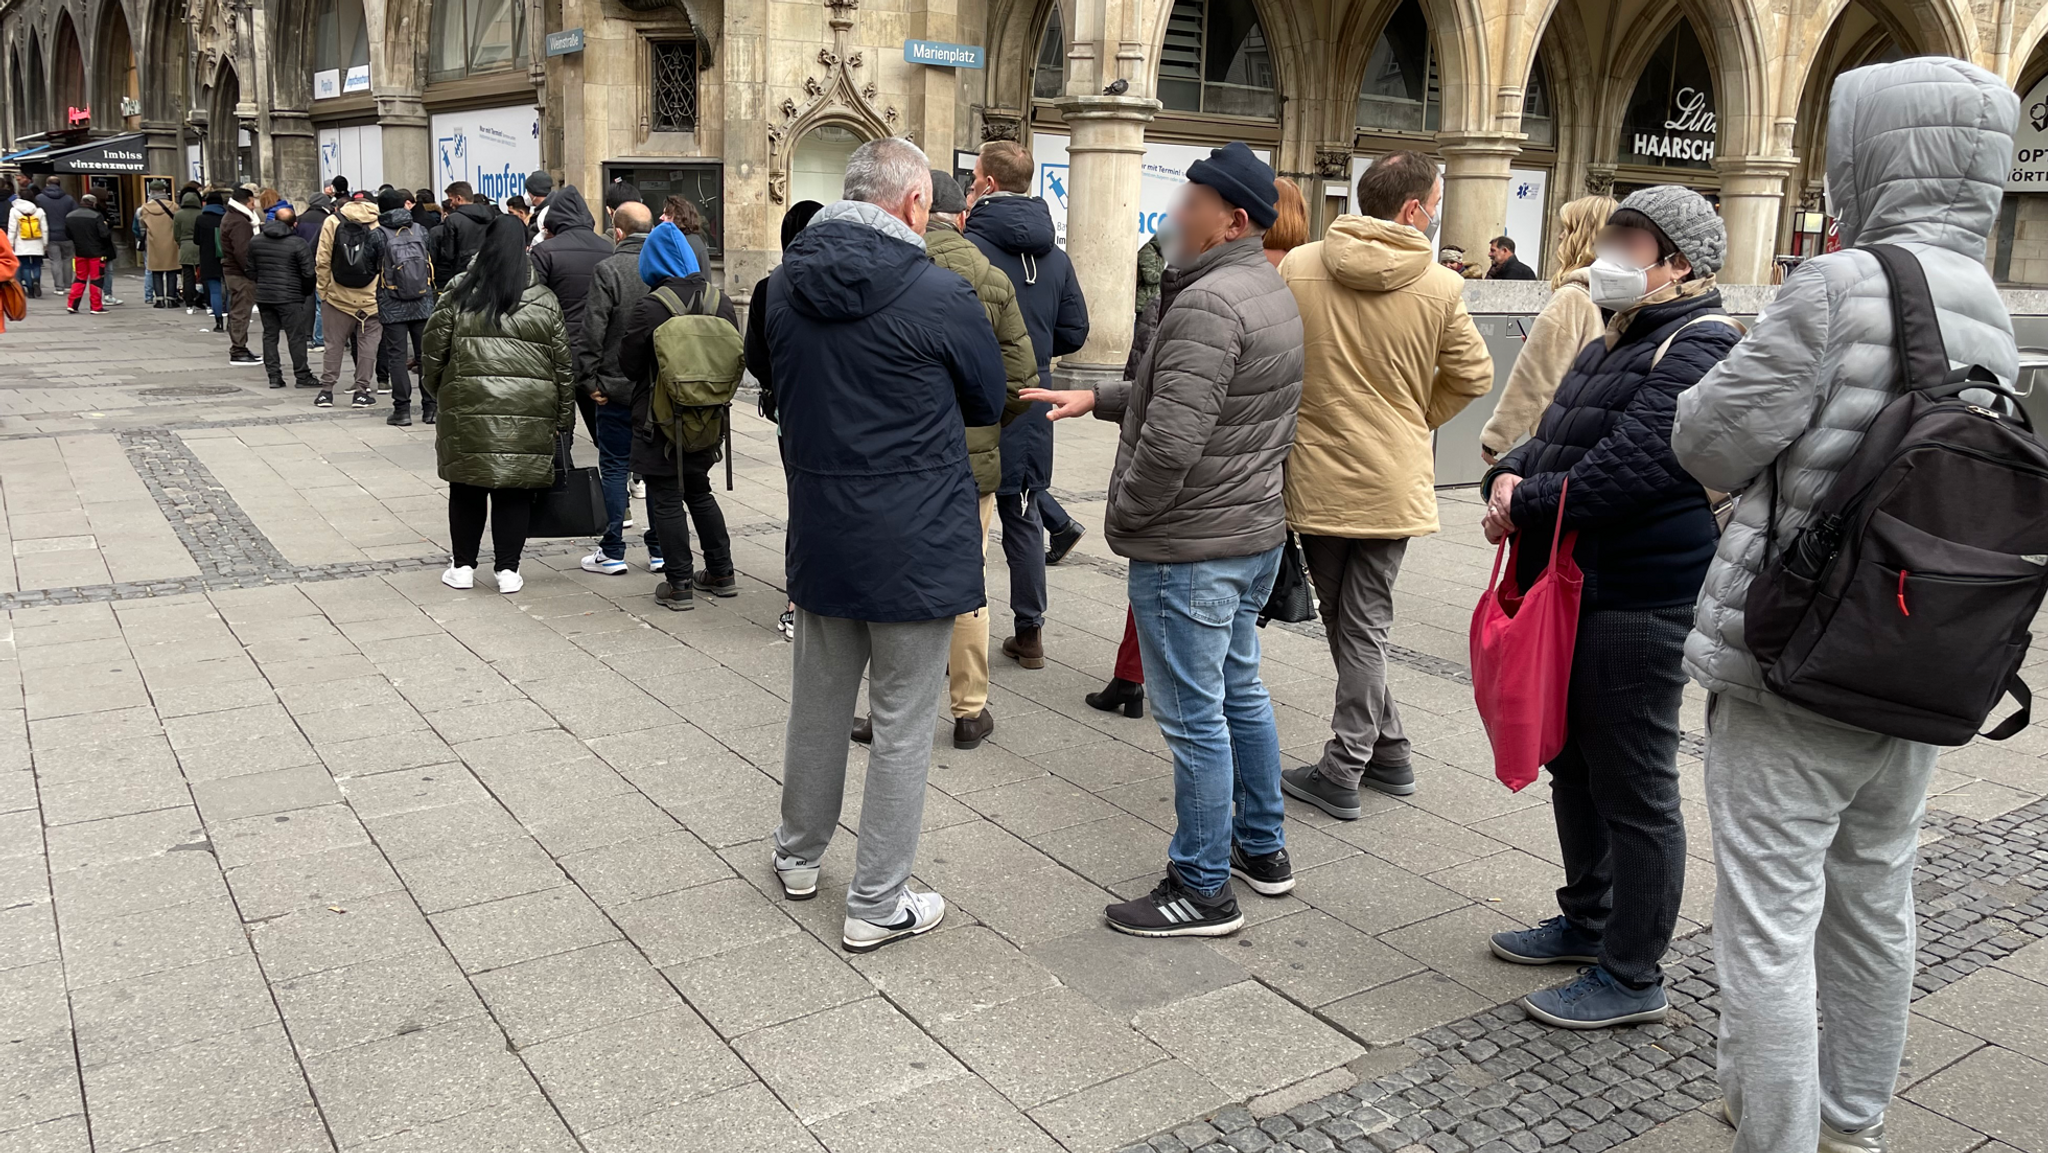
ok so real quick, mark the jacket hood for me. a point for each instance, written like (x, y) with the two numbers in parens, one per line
(845, 268)
(481, 213)
(1918, 151)
(1374, 255)
(214, 210)
(277, 229)
(567, 210)
(321, 201)
(273, 210)
(1013, 222)
(360, 211)
(666, 253)
(189, 200)
(396, 218)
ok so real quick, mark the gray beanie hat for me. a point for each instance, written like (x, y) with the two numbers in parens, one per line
(1691, 223)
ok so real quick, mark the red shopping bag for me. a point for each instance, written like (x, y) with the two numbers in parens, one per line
(1522, 657)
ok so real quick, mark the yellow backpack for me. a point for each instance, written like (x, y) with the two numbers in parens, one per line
(31, 226)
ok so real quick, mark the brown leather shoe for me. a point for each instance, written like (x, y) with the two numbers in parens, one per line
(969, 732)
(863, 730)
(1026, 648)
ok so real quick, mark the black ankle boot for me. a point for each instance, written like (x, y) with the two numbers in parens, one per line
(1119, 694)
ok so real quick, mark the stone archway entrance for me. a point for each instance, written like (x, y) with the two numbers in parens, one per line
(817, 168)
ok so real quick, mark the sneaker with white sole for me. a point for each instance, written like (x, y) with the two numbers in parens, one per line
(639, 490)
(1172, 909)
(799, 881)
(460, 576)
(1869, 1139)
(597, 562)
(1268, 874)
(915, 913)
(656, 564)
(1596, 1000)
(509, 580)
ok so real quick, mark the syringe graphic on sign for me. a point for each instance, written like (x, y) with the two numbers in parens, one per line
(1059, 190)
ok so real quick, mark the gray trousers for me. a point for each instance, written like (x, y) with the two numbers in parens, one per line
(1354, 582)
(61, 253)
(906, 667)
(339, 324)
(1816, 830)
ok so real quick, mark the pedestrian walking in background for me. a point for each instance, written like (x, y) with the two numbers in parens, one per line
(569, 255)
(206, 237)
(1392, 357)
(347, 264)
(615, 286)
(237, 229)
(678, 476)
(1014, 230)
(1503, 263)
(284, 278)
(405, 298)
(1602, 459)
(92, 239)
(1816, 824)
(28, 234)
(496, 364)
(58, 206)
(1195, 503)
(10, 267)
(1568, 323)
(185, 229)
(160, 246)
(881, 543)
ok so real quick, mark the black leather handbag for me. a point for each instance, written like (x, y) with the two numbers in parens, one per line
(1292, 601)
(575, 505)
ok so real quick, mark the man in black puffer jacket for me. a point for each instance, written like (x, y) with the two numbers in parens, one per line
(566, 256)
(461, 231)
(1645, 535)
(283, 264)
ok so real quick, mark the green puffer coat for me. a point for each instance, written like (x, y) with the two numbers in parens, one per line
(955, 253)
(505, 390)
(187, 220)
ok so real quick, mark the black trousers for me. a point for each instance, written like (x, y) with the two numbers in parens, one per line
(289, 321)
(402, 339)
(1614, 788)
(672, 503)
(511, 513)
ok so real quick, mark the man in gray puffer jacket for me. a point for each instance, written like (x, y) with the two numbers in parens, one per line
(1815, 823)
(1195, 503)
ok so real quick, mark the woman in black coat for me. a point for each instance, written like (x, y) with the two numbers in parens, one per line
(1645, 535)
(206, 234)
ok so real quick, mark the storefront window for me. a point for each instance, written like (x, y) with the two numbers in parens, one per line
(1538, 122)
(477, 36)
(701, 182)
(341, 37)
(1399, 92)
(1050, 77)
(1215, 60)
(1670, 119)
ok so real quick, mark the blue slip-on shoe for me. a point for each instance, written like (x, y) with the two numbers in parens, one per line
(1553, 942)
(1596, 1001)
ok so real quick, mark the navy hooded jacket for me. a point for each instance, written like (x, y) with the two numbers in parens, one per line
(1015, 233)
(570, 253)
(881, 359)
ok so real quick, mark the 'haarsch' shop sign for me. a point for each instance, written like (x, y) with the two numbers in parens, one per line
(1687, 133)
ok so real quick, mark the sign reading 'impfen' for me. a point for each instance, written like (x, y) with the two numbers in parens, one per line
(942, 55)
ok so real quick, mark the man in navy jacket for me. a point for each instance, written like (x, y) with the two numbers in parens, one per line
(881, 359)
(1014, 230)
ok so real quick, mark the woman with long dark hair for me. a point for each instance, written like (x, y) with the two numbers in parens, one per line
(496, 364)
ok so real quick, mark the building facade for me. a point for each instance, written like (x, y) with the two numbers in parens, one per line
(746, 106)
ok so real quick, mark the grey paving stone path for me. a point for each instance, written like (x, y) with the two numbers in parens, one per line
(300, 850)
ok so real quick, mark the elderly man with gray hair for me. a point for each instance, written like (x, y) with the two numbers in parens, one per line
(881, 360)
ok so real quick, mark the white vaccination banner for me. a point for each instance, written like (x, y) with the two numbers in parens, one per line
(1165, 170)
(356, 152)
(493, 149)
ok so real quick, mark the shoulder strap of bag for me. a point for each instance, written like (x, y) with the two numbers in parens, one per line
(669, 301)
(1916, 330)
(1709, 318)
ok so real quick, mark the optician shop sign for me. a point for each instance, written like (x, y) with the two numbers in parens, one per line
(2030, 144)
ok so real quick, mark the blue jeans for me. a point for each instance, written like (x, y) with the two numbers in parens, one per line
(614, 451)
(216, 295)
(319, 340)
(1198, 635)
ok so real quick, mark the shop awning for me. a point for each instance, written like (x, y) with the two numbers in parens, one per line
(24, 154)
(124, 153)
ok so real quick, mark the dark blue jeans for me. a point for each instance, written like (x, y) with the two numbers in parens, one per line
(614, 428)
(1051, 515)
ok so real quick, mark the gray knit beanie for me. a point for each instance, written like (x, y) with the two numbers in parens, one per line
(1691, 223)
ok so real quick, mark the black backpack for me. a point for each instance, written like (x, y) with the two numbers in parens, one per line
(353, 258)
(408, 273)
(1902, 607)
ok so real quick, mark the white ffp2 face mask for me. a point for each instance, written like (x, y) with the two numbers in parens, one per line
(1615, 284)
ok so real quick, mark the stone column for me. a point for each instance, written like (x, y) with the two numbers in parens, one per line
(753, 226)
(1752, 195)
(296, 153)
(1475, 206)
(1104, 157)
(408, 141)
(934, 90)
(165, 148)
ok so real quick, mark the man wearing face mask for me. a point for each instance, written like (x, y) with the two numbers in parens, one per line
(1392, 355)
(1195, 503)
(1645, 535)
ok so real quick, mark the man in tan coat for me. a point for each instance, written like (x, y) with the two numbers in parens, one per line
(1391, 356)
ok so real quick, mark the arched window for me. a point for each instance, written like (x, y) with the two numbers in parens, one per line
(1049, 78)
(1670, 118)
(1215, 60)
(341, 37)
(1539, 123)
(472, 36)
(1399, 92)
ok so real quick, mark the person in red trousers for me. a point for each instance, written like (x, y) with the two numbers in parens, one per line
(1126, 687)
(93, 241)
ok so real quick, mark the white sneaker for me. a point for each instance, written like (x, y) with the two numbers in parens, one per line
(915, 913)
(509, 581)
(460, 577)
(656, 564)
(627, 523)
(1869, 1139)
(799, 881)
(597, 562)
(639, 490)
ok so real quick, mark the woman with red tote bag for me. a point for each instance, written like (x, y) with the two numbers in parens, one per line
(1594, 694)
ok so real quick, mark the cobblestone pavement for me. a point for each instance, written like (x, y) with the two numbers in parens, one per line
(300, 850)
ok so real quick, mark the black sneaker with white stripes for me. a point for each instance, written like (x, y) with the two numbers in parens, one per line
(1174, 910)
(1269, 875)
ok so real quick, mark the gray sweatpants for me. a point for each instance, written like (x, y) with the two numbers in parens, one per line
(1816, 829)
(906, 667)
(1354, 582)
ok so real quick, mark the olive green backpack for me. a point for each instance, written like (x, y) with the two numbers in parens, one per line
(701, 358)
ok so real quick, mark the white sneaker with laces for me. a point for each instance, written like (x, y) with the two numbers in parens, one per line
(509, 581)
(460, 577)
(915, 913)
(597, 562)
(799, 881)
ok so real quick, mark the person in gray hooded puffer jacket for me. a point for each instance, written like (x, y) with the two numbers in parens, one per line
(1816, 823)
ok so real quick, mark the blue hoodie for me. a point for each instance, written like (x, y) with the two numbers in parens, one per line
(667, 253)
